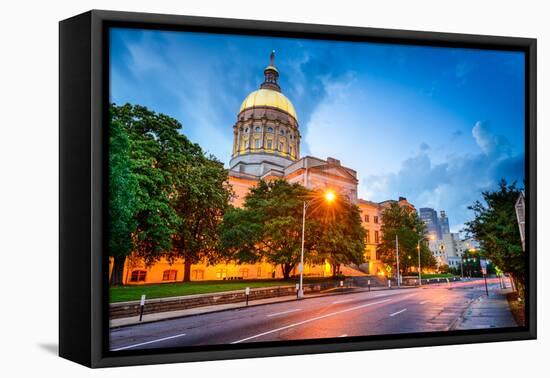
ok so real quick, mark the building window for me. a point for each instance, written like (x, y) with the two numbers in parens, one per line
(376, 237)
(243, 272)
(197, 274)
(269, 144)
(221, 273)
(257, 143)
(281, 147)
(375, 218)
(367, 236)
(258, 129)
(367, 220)
(270, 129)
(282, 131)
(169, 275)
(138, 276)
(246, 130)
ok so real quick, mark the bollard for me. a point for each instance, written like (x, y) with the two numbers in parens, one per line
(247, 293)
(389, 283)
(141, 307)
(297, 289)
(368, 284)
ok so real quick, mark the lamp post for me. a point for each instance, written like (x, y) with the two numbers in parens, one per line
(329, 198)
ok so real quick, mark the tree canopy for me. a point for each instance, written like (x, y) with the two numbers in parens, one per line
(161, 184)
(495, 227)
(269, 227)
(410, 230)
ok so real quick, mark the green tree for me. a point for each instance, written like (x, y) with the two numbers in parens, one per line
(471, 263)
(404, 223)
(269, 227)
(202, 197)
(155, 152)
(272, 214)
(123, 186)
(337, 235)
(495, 227)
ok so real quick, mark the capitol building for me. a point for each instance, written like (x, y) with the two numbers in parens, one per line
(266, 146)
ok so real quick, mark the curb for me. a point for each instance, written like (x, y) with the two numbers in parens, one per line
(251, 305)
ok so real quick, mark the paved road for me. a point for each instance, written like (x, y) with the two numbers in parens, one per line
(430, 308)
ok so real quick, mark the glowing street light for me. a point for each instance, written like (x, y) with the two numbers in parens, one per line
(329, 197)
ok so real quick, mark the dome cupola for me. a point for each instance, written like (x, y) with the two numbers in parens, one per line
(266, 135)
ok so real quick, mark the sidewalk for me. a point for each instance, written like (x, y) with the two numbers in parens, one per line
(488, 312)
(149, 318)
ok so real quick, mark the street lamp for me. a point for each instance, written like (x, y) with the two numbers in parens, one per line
(329, 196)
(431, 237)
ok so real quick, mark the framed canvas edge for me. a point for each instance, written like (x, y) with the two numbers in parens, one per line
(99, 88)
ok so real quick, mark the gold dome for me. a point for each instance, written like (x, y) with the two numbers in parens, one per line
(271, 98)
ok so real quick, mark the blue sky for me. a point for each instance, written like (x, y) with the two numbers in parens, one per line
(435, 125)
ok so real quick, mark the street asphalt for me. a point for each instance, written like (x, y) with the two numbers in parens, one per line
(426, 309)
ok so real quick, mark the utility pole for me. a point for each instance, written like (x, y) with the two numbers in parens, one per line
(397, 258)
(301, 268)
(419, 268)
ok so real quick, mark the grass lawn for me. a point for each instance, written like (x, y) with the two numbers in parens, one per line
(134, 292)
(435, 275)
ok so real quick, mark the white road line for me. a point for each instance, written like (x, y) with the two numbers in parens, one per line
(344, 335)
(398, 312)
(310, 320)
(283, 312)
(149, 342)
(424, 302)
(342, 301)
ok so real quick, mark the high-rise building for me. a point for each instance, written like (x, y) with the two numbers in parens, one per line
(443, 222)
(429, 217)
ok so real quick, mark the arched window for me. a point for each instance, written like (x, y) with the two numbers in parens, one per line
(258, 129)
(270, 129)
(169, 275)
(138, 276)
(246, 130)
(282, 131)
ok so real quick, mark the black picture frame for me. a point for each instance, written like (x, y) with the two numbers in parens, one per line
(83, 105)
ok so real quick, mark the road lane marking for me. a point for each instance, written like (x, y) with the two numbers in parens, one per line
(283, 312)
(344, 335)
(342, 301)
(148, 342)
(310, 320)
(424, 302)
(398, 312)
